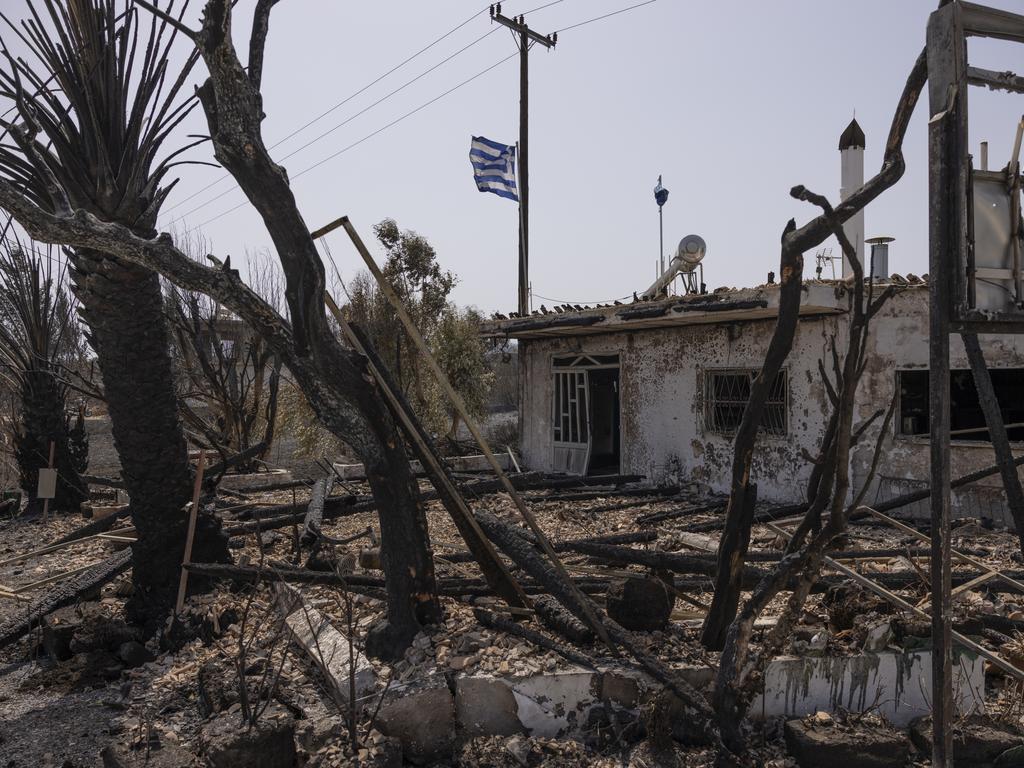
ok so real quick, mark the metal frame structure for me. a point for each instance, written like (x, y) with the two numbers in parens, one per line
(950, 258)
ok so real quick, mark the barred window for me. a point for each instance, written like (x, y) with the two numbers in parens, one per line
(725, 396)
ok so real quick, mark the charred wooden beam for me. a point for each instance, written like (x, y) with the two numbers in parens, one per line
(67, 592)
(642, 312)
(493, 621)
(552, 322)
(315, 512)
(720, 306)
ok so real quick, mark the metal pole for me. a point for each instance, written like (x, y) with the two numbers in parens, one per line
(947, 152)
(524, 174)
(661, 242)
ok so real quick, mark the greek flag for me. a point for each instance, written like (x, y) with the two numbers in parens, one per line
(494, 167)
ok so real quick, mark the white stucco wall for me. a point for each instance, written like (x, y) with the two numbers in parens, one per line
(661, 400)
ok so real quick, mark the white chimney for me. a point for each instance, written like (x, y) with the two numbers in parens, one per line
(851, 153)
(879, 261)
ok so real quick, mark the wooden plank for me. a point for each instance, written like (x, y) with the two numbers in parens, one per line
(493, 568)
(460, 406)
(54, 578)
(191, 533)
(975, 582)
(997, 81)
(982, 21)
(964, 558)
(947, 221)
(898, 601)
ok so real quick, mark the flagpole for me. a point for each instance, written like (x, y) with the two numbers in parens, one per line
(524, 299)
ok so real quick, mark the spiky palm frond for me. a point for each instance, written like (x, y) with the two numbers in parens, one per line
(39, 329)
(95, 102)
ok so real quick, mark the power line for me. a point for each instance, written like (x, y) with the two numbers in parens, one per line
(605, 16)
(379, 130)
(417, 109)
(344, 101)
(329, 131)
(348, 98)
(562, 301)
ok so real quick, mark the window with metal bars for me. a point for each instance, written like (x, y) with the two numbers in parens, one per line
(725, 396)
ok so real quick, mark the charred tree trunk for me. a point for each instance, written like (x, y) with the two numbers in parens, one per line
(739, 515)
(122, 305)
(43, 420)
(334, 379)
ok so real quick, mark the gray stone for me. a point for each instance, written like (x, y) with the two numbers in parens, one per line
(1011, 758)
(217, 691)
(134, 653)
(640, 604)
(268, 744)
(58, 629)
(977, 740)
(422, 717)
(486, 706)
(814, 746)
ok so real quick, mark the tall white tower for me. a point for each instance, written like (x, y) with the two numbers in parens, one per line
(851, 153)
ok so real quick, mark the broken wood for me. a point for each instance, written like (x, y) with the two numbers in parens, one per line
(65, 593)
(899, 602)
(493, 569)
(493, 621)
(315, 511)
(588, 612)
(190, 532)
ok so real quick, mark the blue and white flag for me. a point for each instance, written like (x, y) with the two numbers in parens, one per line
(494, 167)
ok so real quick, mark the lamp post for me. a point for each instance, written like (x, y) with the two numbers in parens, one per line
(661, 197)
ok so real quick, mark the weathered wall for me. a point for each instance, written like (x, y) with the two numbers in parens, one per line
(661, 401)
(662, 405)
(899, 341)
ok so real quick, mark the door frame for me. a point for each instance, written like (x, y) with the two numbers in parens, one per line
(580, 363)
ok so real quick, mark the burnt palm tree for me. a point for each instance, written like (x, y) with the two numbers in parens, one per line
(95, 101)
(39, 338)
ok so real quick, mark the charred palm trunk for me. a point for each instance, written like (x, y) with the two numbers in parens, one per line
(122, 305)
(42, 422)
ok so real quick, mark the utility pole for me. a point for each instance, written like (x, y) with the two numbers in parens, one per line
(526, 37)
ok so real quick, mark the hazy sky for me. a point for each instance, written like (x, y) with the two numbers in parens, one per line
(733, 102)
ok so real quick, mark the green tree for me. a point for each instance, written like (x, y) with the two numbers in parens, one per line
(412, 268)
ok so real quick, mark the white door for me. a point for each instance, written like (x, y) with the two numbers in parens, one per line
(571, 422)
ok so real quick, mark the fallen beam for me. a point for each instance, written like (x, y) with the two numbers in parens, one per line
(315, 511)
(65, 593)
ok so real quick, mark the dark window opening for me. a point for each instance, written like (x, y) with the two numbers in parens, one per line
(966, 417)
(726, 395)
(605, 428)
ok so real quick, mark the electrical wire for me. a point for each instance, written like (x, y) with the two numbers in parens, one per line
(417, 109)
(383, 128)
(331, 130)
(343, 102)
(605, 16)
(584, 303)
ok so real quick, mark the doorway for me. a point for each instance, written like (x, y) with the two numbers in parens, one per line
(585, 415)
(604, 422)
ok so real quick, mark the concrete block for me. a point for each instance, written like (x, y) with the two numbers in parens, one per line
(422, 717)
(486, 706)
(555, 705)
(326, 646)
(256, 479)
(812, 746)
(896, 684)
